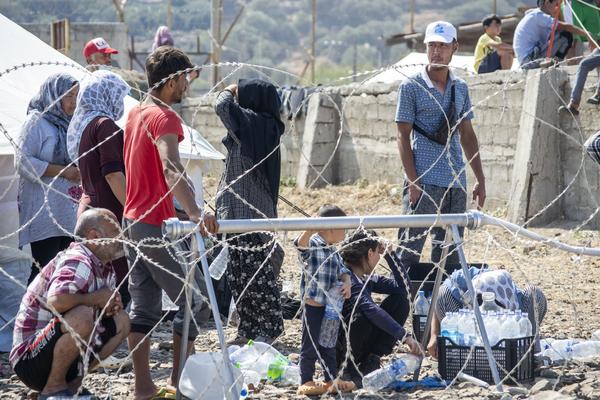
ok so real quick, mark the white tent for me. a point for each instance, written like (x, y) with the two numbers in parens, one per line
(414, 62)
(19, 85)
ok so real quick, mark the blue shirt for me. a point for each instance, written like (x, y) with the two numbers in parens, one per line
(321, 268)
(532, 31)
(419, 101)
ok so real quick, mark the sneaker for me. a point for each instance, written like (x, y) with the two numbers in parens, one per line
(595, 99)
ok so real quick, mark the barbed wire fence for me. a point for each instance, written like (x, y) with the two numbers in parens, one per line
(191, 261)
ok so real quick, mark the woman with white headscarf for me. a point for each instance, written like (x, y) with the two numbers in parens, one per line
(48, 186)
(95, 143)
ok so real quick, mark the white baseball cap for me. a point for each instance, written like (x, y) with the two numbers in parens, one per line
(440, 31)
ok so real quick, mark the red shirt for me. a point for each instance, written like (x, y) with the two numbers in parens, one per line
(146, 183)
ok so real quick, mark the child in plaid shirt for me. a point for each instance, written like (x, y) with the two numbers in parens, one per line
(322, 268)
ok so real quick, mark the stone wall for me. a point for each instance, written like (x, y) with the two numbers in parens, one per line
(115, 33)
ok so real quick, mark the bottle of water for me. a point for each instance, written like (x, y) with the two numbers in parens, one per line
(469, 330)
(331, 320)
(492, 327)
(489, 302)
(381, 378)
(525, 325)
(510, 326)
(219, 264)
(460, 321)
(449, 327)
(421, 304)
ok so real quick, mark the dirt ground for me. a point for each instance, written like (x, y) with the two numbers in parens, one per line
(570, 283)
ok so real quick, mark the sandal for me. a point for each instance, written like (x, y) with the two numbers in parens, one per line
(165, 393)
(340, 385)
(61, 393)
(312, 388)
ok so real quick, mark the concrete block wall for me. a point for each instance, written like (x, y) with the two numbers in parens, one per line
(115, 33)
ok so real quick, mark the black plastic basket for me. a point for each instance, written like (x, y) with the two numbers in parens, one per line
(418, 323)
(508, 353)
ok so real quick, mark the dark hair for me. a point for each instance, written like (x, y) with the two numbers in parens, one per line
(541, 3)
(487, 21)
(165, 61)
(358, 246)
(330, 210)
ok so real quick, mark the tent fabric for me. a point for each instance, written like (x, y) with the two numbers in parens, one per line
(25, 63)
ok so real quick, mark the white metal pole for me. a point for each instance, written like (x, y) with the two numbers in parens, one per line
(484, 337)
(234, 390)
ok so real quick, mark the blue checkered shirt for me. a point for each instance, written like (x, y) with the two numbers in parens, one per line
(321, 268)
(419, 101)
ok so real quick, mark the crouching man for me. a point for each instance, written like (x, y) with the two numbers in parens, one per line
(57, 321)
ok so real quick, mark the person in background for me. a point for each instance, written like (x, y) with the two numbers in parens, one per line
(95, 144)
(74, 294)
(532, 35)
(249, 188)
(162, 38)
(97, 52)
(49, 188)
(433, 119)
(490, 53)
(589, 63)
(322, 268)
(373, 330)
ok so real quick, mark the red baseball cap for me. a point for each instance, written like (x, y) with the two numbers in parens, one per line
(98, 45)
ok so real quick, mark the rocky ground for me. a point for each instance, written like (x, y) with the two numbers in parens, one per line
(570, 283)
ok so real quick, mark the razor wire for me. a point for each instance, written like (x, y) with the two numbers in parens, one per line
(85, 345)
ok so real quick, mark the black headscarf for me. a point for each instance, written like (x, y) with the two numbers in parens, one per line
(261, 129)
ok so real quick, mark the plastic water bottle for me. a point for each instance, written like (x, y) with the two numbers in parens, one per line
(381, 378)
(449, 327)
(586, 350)
(489, 302)
(469, 329)
(331, 319)
(421, 304)
(492, 327)
(282, 371)
(525, 327)
(510, 326)
(219, 265)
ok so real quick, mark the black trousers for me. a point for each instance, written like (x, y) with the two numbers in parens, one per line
(366, 338)
(43, 251)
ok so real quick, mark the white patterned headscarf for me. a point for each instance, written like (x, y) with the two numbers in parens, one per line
(501, 284)
(101, 94)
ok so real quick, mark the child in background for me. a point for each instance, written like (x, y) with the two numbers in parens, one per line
(322, 268)
(490, 53)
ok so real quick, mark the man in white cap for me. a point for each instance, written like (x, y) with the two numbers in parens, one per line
(434, 128)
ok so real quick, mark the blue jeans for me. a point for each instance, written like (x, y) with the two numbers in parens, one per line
(588, 64)
(562, 43)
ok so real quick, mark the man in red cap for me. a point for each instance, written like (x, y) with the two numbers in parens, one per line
(98, 52)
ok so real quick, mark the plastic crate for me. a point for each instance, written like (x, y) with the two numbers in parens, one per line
(418, 323)
(508, 353)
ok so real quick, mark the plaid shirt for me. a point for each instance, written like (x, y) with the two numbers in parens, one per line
(75, 270)
(321, 268)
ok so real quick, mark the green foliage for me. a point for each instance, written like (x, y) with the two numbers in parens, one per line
(273, 32)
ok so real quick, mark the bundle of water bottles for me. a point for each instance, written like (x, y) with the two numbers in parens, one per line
(461, 327)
